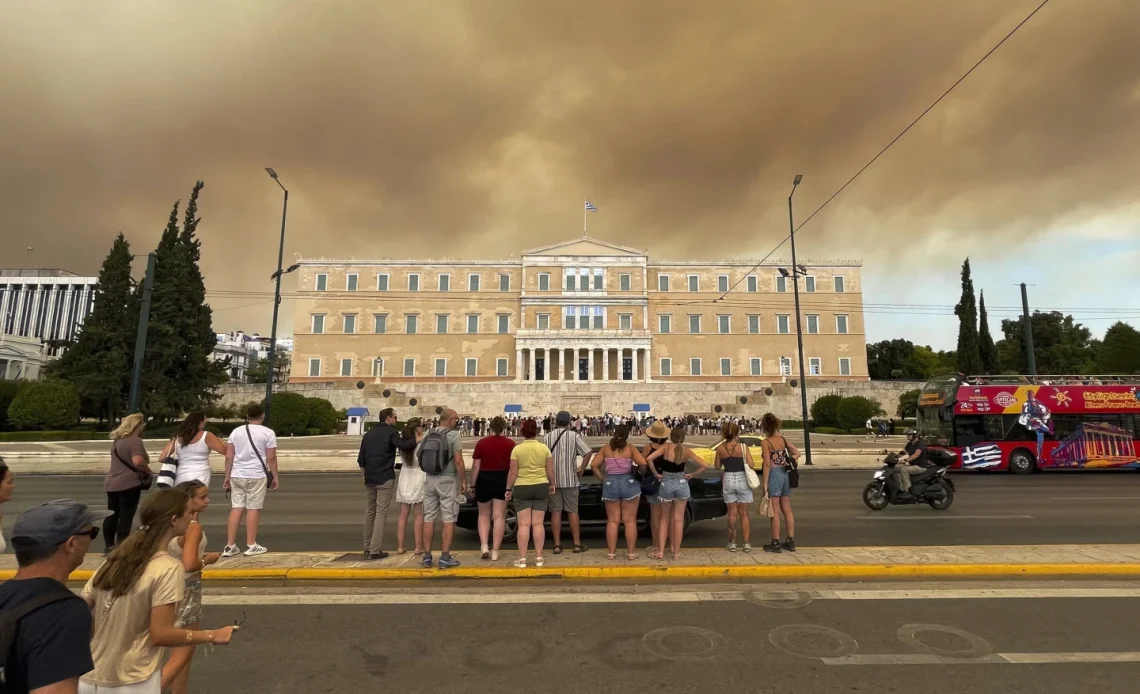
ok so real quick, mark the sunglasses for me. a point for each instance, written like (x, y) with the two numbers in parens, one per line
(92, 533)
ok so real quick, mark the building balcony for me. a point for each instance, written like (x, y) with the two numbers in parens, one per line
(555, 334)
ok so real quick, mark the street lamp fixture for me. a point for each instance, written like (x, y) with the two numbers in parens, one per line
(797, 268)
(269, 362)
(286, 271)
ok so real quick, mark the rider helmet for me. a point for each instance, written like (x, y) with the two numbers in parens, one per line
(911, 432)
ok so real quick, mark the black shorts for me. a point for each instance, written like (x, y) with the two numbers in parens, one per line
(491, 485)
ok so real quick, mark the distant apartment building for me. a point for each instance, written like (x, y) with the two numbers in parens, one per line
(48, 304)
(243, 352)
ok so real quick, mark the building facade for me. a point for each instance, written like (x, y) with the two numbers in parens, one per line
(45, 304)
(582, 311)
(243, 353)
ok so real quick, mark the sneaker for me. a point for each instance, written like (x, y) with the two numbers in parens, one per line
(747, 548)
(427, 560)
(790, 544)
(446, 561)
(731, 547)
(254, 550)
(372, 556)
(230, 551)
(773, 546)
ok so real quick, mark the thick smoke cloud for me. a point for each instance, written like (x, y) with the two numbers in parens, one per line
(403, 128)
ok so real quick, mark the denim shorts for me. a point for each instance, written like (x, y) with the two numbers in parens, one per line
(736, 490)
(778, 484)
(620, 488)
(674, 487)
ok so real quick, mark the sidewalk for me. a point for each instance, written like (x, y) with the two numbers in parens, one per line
(971, 561)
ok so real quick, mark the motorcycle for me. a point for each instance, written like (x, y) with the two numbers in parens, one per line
(931, 486)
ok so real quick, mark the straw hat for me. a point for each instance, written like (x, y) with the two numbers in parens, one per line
(658, 430)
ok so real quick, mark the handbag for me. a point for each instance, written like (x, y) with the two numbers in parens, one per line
(264, 467)
(793, 473)
(766, 510)
(169, 470)
(146, 479)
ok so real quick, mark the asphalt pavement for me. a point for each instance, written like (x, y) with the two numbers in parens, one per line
(324, 512)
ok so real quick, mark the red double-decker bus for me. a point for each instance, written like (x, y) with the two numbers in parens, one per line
(1027, 423)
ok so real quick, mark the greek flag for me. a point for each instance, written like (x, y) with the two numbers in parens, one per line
(986, 455)
(590, 207)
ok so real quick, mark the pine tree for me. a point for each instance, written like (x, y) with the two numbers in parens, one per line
(969, 358)
(987, 350)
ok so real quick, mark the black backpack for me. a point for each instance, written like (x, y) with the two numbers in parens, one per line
(432, 454)
(10, 622)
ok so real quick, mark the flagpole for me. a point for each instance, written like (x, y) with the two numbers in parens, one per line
(585, 216)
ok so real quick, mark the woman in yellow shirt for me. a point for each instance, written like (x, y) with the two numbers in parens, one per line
(530, 483)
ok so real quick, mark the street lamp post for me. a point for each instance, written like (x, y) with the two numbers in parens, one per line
(799, 323)
(269, 364)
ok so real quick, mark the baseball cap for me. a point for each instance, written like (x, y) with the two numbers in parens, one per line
(51, 524)
(562, 419)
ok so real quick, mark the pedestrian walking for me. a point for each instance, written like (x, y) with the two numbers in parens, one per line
(51, 648)
(441, 457)
(779, 456)
(128, 475)
(377, 460)
(621, 491)
(190, 549)
(191, 445)
(133, 598)
(668, 464)
(529, 488)
(7, 487)
(410, 492)
(567, 446)
(870, 428)
(658, 435)
(251, 470)
(732, 456)
(491, 463)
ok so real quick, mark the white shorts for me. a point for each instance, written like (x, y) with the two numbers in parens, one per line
(153, 685)
(197, 474)
(248, 493)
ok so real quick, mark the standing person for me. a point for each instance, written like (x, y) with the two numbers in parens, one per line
(489, 469)
(133, 597)
(779, 455)
(658, 435)
(377, 460)
(529, 486)
(190, 549)
(566, 445)
(129, 471)
(674, 493)
(441, 456)
(621, 491)
(52, 645)
(410, 492)
(192, 445)
(733, 456)
(870, 429)
(251, 460)
(7, 487)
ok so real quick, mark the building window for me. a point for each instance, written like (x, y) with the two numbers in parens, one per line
(544, 281)
(472, 367)
(350, 324)
(314, 367)
(625, 282)
(815, 366)
(841, 324)
(694, 367)
(571, 279)
(381, 283)
(378, 367)
(752, 283)
(625, 321)
(345, 367)
(409, 367)
(664, 324)
(441, 324)
(694, 283)
(380, 326)
(504, 283)
(839, 284)
(445, 283)
(725, 367)
(472, 283)
(844, 366)
(666, 367)
(722, 283)
(568, 318)
(440, 366)
(413, 283)
(694, 324)
(473, 323)
(501, 366)
(599, 279)
(351, 282)
(781, 284)
(318, 327)
(662, 283)
(812, 324)
(782, 325)
(504, 320)
(544, 321)
(411, 324)
(809, 283)
(583, 317)
(723, 324)
(599, 317)
(322, 282)
(754, 325)
(755, 365)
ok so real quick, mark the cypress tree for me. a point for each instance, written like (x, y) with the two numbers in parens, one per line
(987, 350)
(969, 357)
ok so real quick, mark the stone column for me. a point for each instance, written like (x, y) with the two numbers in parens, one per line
(648, 364)
(633, 352)
(606, 364)
(551, 371)
(532, 364)
(590, 375)
(518, 364)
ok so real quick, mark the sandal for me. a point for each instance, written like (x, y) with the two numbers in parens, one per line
(519, 563)
(631, 557)
(557, 549)
(611, 556)
(578, 549)
(538, 562)
(658, 557)
(494, 555)
(401, 550)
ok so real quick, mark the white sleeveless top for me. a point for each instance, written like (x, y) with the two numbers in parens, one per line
(193, 458)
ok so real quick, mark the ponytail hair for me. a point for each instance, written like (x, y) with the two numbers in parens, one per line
(128, 561)
(410, 427)
(620, 438)
(677, 437)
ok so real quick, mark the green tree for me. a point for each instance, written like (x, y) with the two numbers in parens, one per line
(908, 404)
(823, 410)
(854, 411)
(969, 358)
(322, 415)
(1119, 352)
(256, 373)
(290, 414)
(1061, 345)
(891, 359)
(8, 391)
(987, 350)
(45, 405)
(98, 362)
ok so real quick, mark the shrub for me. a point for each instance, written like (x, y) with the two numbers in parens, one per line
(45, 405)
(312, 432)
(856, 410)
(322, 416)
(823, 410)
(908, 404)
(8, 391)
(289, 414)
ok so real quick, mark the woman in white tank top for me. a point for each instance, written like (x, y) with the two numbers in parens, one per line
(192, 445)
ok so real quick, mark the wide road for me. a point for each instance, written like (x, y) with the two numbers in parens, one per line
(597, 638)
(324, 512)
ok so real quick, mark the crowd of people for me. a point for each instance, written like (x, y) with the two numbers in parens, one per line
(600, 425)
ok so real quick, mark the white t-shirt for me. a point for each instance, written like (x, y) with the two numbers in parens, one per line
(246, 463)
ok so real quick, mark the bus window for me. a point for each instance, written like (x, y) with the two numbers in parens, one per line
(1014, 431)
(969, 430)
(1065, 424)
(994, 431)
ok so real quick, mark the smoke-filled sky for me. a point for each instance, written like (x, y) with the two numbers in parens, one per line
(404, 127)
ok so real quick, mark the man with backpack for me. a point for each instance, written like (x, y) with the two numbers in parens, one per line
(45, 629)
(440, 456)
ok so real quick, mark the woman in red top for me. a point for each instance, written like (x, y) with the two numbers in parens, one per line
(492, 462)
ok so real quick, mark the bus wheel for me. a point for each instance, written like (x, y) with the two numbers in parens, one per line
(1021, 462)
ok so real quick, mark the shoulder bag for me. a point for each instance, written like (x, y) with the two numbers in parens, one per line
(146, 479)
(264, 467)
(169, 470)
(749, 472)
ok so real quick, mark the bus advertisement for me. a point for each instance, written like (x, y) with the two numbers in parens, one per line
(1027, 423)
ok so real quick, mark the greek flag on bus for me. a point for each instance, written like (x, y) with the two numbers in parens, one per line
(986, 455)
(590, 207)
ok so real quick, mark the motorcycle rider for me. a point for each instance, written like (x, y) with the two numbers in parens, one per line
(912, 460)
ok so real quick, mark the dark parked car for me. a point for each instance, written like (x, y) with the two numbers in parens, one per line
(707, 503)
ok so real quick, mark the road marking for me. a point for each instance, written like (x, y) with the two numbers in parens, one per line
(1092, 498)
(982, 594)
(942, 517)
(993, 658)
